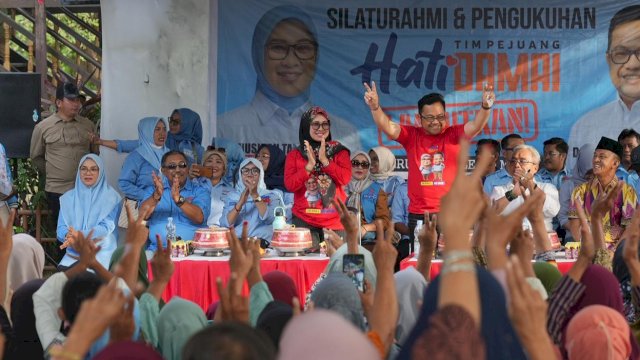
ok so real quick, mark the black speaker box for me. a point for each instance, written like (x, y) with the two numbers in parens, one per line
(19, 111)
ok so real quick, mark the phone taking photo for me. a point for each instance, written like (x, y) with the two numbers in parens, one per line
(353, 267)
(204, 170)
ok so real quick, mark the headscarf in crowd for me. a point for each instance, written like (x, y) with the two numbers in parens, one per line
(26, 262)
(548, 274)
(79, 206)
(338, 293)
(221, 155)
(501, 340)
(356, 187)
(190, 129)
(129, 350)
(602, 288)
(370, 272)
(410, 287)
(273, 319)
(146, 147)
(262, 187)
(261, 35)
(281, 286)
(234, 153)
(386, 161)
(26, 343)
(177, 321)
(274, 174)
(324, 327)
(598, 332)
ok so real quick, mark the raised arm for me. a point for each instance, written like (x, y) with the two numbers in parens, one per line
(473, 128)
(383, 122)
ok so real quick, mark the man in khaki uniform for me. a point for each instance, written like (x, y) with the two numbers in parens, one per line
(59, 142)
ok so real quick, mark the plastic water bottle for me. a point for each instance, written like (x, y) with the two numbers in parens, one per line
(416, 242)
(171, 231)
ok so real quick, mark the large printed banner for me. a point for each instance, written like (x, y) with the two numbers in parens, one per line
(545, 59)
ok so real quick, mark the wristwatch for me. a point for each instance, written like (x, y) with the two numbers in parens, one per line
(509, 195)
(180, 201)
(257, 199)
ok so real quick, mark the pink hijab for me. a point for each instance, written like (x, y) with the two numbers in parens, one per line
(598, 332)
(304, 335)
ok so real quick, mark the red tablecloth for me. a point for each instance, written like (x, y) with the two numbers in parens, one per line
(563, 265)
(194, 277)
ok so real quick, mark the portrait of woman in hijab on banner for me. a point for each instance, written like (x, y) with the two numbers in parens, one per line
(285, 53)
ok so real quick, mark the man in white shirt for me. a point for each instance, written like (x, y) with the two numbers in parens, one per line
(623, 57)
(525, 163)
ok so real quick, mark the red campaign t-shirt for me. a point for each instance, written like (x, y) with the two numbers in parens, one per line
(432, 163)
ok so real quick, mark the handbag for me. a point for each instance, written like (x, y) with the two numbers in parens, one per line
(123, 221)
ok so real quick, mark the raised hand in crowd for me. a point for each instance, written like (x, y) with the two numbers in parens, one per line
(6, 245)
(460, 209)
(162, 268)
(241, 258)
(383, 316)
(503, 229)
(536, 218)
(522, 248)
(233, 306)
(351, 226)
(428, 239)
(587, 246)
(602, 205)
(95, 316)
(332, 240)
(630, 251)
(136, 238)
(255, 274)
(311, 157)
(124, 325)
(528, 312)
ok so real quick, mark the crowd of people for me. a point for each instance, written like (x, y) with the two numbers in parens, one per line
(499, 293)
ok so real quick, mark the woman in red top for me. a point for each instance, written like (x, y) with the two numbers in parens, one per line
(316, 173)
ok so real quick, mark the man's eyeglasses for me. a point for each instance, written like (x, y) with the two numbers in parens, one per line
(252, 171)
(303, 50)
(316, 125)
(362, 165)
(551, 154)
(431, 118)
(211, 147)
(84, 169)
(622, 56)
(181, 165)
(520, 161)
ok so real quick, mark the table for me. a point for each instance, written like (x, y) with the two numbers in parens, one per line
(195, 276)
(563, 265)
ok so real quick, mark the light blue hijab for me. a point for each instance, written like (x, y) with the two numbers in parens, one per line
(84, 207)
(146, 147)
(235, 155)
(261, 34)
(262, 187)
(190, 129)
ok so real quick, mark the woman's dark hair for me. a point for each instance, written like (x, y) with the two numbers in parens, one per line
(78, 289)
(229, 341)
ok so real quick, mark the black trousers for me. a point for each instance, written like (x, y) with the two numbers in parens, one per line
(53, 200)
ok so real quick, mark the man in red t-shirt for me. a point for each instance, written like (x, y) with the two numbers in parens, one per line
(428, 180)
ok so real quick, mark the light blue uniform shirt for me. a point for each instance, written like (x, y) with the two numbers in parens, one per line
(259, 226)
(389, 186)
(135, 177)
(218, 193)
(400, 206)
(557, 179)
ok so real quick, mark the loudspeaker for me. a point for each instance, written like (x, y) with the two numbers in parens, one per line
(19, 111)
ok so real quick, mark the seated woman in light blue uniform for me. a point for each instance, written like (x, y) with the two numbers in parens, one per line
(251, 202)
(185, 135)
(218, 187)
(91, 205)
(367, 196)
(383, 164)
(135, 178)
(175, 195)
(235, 155)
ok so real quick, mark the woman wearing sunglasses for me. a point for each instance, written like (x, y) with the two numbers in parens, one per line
(251, 202)
(174, 195)
(320, 163)
(366, 196)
